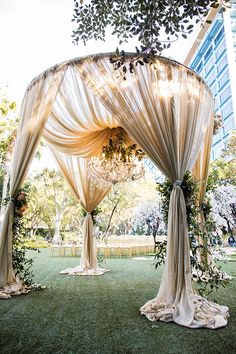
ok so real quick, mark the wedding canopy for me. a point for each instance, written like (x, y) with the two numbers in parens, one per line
(166, 109)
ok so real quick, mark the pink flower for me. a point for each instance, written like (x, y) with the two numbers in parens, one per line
(21, 196)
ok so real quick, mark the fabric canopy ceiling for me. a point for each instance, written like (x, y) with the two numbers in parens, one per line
(165, 108)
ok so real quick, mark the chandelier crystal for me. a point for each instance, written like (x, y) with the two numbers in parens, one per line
(119, 161)
(116, 169)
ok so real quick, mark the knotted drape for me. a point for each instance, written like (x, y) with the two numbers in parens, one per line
(90, 193)
(36, 107)
(166, 109)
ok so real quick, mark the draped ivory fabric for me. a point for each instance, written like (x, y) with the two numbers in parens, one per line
(78, 124)
(166, 109)
(90, 193)
(200, 173)
(35, 109)
(200, 169)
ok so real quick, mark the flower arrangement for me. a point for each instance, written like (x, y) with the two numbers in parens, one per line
(218, 123)
(207, 277)
(117, 147)
(21, 263)
(21, 204)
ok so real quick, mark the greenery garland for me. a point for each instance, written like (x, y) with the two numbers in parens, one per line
(207, 277)
(22, 264)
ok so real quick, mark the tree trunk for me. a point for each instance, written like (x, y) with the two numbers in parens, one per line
(230, 231)
(4, 190)
(229, 228)
(110, 218)
(32, 233)
(57, 237)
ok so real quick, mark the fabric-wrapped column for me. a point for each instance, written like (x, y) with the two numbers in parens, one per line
(35, 109)
(166, 109)
(176, 300)
(8, 277)
(89, 253)
(89, 192)
(176, 283)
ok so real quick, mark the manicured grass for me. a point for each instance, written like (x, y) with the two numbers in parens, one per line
(101, 314)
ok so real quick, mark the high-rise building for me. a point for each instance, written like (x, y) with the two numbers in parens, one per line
(213, 56)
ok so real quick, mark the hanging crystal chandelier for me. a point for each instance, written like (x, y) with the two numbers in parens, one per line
(116, 170)
(118, 162)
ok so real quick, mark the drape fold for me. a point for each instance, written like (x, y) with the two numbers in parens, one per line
(78, 124)
(167, 110)
(200, 170)
(89, 252)
(89, 192)
(35, 109)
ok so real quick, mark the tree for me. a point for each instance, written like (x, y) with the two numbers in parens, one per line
(8, 130)
(221, 188)
(8, 120)
(155, 24)
(116, 210)
(223, 170)
(223, 207)
(51, 204)
(38, 216)
(230, 148)
(148, 217)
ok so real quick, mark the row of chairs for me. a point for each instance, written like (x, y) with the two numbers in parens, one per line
(130, 240)
(66, 250)
(125, 251)
(107, 251)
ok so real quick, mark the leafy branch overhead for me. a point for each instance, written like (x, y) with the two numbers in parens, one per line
(154, 23)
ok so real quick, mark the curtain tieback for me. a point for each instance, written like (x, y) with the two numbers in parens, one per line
(13, 200)
(177, 183)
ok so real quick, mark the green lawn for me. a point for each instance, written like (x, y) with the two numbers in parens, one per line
(101, 314)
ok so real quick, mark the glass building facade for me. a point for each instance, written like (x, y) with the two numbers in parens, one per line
(211, 60)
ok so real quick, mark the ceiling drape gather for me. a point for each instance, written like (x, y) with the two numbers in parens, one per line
(78, 124)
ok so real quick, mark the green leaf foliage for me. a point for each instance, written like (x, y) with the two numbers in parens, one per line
(142, 19)
(207, 276)
(117, 146)
(21, 263)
